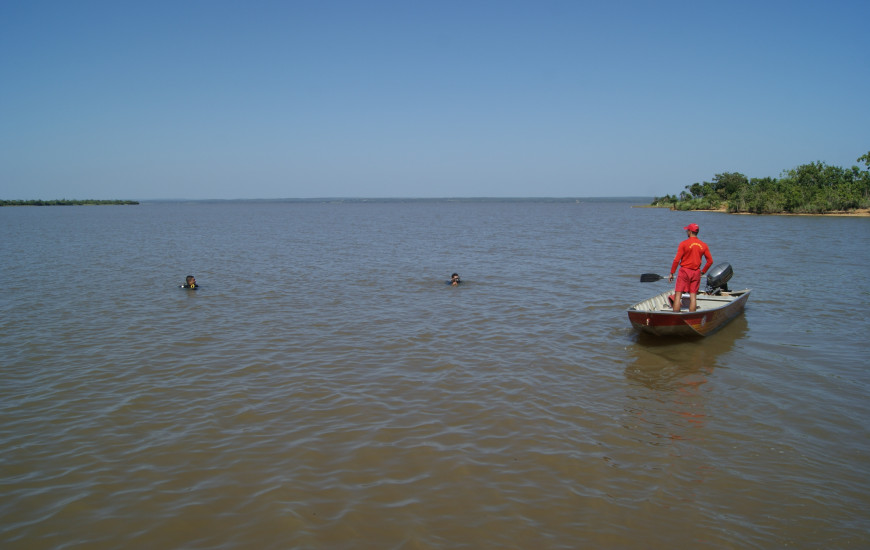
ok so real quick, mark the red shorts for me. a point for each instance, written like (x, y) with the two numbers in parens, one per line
(688, 280)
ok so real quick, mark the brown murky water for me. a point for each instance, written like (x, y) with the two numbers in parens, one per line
(325, 389)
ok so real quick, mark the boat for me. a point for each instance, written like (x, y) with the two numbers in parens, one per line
(714, 308)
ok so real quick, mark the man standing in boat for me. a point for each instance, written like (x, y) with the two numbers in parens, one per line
(688, 258)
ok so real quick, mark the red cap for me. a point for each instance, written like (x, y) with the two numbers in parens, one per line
(693, 227)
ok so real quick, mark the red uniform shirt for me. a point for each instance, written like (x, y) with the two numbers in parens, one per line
(689, 255)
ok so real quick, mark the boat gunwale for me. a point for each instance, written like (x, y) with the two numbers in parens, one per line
(658, 300)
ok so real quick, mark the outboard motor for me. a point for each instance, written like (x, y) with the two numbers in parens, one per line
(718, 277)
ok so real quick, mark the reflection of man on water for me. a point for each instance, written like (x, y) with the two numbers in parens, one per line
(688, 257)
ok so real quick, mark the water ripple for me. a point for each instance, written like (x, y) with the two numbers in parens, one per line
(325, 389)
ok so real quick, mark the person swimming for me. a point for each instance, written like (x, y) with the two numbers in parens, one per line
(190, 282)
(454, 280)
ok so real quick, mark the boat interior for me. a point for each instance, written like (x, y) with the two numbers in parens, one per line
(704, 301)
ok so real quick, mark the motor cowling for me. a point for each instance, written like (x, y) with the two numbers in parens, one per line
(719, 275)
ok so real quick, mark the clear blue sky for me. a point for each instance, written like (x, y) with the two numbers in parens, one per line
(217, 99)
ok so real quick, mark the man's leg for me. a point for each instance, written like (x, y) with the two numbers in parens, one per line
(681, 285)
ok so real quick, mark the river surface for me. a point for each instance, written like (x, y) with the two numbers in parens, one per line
(324, 388)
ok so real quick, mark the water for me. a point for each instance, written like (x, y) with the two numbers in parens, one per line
(325, 389)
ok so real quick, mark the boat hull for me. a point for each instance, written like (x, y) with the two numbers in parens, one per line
(651, 316)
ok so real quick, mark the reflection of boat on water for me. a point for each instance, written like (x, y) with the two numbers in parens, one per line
(663, 363)
(715, 308)
(672, 382)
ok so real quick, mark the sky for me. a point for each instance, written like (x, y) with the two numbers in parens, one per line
(455, 98)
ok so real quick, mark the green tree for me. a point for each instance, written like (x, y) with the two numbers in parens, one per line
(726, 185)
(809, 188)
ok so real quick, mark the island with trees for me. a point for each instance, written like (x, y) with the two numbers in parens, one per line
(814, 188)
(62, 202)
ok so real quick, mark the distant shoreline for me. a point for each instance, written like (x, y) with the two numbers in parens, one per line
(361, 200)
(64, 202)
(857, 213)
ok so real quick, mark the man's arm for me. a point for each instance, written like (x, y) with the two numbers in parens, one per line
(709, 263)
(677, 259)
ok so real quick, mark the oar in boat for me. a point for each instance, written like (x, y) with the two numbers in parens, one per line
(650, 278)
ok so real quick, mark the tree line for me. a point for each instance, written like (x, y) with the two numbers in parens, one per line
(61, 202)
(813, 188)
